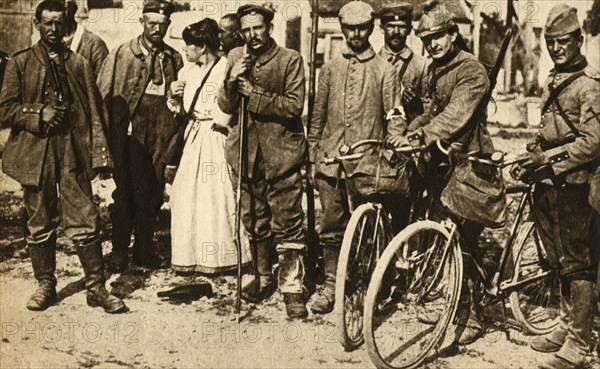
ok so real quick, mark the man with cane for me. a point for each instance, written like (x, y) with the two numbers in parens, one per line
(270, 79)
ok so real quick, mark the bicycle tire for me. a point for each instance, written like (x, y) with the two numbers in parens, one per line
(448, 275)
(352, 277)
(540, 316)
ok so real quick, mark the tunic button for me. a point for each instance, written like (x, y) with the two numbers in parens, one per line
(541, 125)
(24, 110)
(104, 149)
(347, 124)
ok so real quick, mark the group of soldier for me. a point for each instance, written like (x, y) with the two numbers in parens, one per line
(73, 116)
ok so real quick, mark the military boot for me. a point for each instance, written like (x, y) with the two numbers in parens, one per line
(326, 299)
(262, 284)
(290, 280)
(90, 256)
(470, 330)
(553, 341)
(573, 353)
(43, 261)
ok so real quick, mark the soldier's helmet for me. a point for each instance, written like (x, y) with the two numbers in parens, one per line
(436, 18)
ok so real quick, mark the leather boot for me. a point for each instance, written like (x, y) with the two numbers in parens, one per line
(90, 256)
(262, 284)
(470, 331)
(290, 281)
(43, 261)
(572, 354)
(553, 341)
(326, 299)
(118, 259)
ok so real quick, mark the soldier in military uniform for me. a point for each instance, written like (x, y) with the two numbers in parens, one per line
(356, 89)
(271, 79)
(561, 160)
(396, 24)
(133, 82)
(455, 83)
(56, 143)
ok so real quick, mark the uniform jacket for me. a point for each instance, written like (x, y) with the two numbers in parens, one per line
(414, 73)
(355, 93)
(274, 109)
(581, 103)
(122, 82)
(454, 97)
(93, 48)
(21, 102)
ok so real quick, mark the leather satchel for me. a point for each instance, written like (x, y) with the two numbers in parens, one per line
(381, 171)
(476, 191)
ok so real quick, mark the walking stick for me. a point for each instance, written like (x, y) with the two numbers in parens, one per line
(312, 238)
(242, 121)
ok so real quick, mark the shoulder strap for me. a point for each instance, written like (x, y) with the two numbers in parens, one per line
(404, 67)
(556, 91)
(437, 76)
(190, 111)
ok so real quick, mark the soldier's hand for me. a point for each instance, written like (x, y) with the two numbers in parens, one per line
(397, 141)
(177, 88)
(240, 67)
(408, 95)
(220, 128)
(104, 173)
(517, 172)
(245, 87)
(532, 160)
(52, 116)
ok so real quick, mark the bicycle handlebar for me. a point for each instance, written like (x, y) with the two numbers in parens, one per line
(498, 158)
(350, 156)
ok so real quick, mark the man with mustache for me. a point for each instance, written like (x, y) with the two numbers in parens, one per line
(355, 91)
(133, 82)
(455, 84)
(396, 24)
(564, 156)
(57, 142)
(271, 79)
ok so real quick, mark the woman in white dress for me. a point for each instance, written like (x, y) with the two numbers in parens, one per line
(202, 198)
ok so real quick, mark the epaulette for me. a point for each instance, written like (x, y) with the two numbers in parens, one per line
(20, 52)
(592, 72)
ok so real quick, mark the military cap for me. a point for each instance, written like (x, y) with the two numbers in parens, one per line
(562, 20)
(436, 18)
(253, 9)
(164, 7)
(355, 13)
(402, 11)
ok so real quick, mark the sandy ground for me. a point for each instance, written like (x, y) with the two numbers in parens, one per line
(200, 334)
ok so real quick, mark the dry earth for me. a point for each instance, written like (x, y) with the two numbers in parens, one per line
(200, 334)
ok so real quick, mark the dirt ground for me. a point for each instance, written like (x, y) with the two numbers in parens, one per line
(200, 334)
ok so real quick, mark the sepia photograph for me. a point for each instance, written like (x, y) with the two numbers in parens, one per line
(389, 184)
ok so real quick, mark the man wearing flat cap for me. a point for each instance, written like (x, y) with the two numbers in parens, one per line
(270, 78)
(133, 82)
(455, 84)
(396, 24)
(564, 157)
(356, 90)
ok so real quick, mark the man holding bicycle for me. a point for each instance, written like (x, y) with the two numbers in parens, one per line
(355, 91)
(561, 160)
(456, 84)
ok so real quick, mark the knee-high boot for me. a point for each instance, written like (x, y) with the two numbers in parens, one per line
(261, 284)
(43, 261)
(325, 302)
(90, 256)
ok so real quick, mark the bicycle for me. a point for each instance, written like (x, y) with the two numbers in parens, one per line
(367, 233)
(426, 261)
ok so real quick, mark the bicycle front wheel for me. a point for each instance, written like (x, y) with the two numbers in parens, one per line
(535, 301)
(367, 233)
(412, 296)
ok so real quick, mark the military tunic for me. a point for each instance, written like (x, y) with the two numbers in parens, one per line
(66, 156)
(355, 92)
(565, 220)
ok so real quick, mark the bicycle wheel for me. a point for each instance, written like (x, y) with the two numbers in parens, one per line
(426, 269)
(535, 303)
(366, 235)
